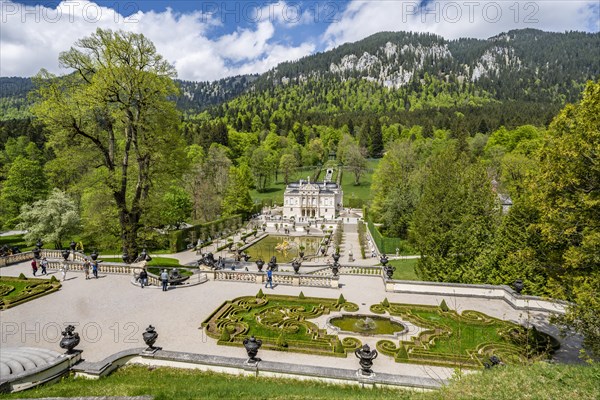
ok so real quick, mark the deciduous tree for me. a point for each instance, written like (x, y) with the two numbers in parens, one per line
(116, 105)
(52, 220)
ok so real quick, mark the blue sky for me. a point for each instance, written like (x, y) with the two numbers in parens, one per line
(207, 40)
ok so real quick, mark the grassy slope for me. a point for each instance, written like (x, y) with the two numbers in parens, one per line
(405, 269)
(540, 381)
(362, 191)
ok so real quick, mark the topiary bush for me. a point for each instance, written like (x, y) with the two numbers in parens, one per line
(301, 296)
(444, 306)
(281, 342)
(385, 302)
(260, 294)
(22, 276)
(341, 299)
(53, 279)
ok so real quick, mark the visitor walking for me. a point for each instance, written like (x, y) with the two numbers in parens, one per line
(34, 266)
(44, 265)
(64, 270)
(143, 278)
(164, 277)
(95, 269)
(269, 278)
(86, 268)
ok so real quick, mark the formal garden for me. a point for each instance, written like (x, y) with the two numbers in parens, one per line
(466, 339)
(446, 338)
(281, 322)
(15, 291)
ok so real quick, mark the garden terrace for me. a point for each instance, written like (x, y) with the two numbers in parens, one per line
(465, 340)
(281, 322)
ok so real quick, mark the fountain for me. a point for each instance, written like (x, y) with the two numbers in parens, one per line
(366, 324)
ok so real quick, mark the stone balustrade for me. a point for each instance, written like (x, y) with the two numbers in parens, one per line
(281, 278)
(503, 292)
(104, 267)
(15, 258)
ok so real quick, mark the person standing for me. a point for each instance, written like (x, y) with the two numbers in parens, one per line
(86, 268)
(44, 265)
(269, 278)
(34, 266)
(63, 270)
(143, 278)
(95, 269)
(164, 277)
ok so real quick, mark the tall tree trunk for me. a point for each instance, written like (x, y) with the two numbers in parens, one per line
(129, 227)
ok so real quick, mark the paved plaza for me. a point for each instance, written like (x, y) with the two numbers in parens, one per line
(111, 313)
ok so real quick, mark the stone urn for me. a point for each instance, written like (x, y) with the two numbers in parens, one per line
(366, 357)
(383, 260)
(65, 254)
(336, 257)
(323, 251)
(94, 255)
(39, 244)
(36, 252)
(389, 270)
(252, 345)
(273, 264)
(335, 268)
(296, 266)
(72, 245)
(70, 339)
(150, 337)
(518, 285)
(125, 257)
(259, 264)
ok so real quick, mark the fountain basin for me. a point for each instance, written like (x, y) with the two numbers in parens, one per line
(366, 325)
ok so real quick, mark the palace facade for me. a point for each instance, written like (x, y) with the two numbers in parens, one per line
(305, 200)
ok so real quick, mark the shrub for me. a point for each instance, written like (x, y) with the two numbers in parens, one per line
(339, 347)
(341, 299)
(444, 306)
(225, 335)
(260, 294)
(22, 276)
(281, 342)
(53, 279)
(385, 302)
(301, 296)
(402, 354)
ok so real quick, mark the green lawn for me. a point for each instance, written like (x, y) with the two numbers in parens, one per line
(538, 381)
(14, 291)
(405, 269)
(18, 284)
(15, 240)
(362, 191)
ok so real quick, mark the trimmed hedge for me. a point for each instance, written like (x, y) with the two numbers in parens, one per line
(281, 322)
(444, 326)
(179, 240)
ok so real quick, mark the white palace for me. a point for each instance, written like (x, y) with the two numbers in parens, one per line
(305, 201)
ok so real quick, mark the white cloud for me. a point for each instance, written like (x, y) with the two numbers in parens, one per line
(33, 37)
(455, 19)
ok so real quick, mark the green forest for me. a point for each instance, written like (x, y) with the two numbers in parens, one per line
(114, 154)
